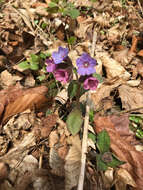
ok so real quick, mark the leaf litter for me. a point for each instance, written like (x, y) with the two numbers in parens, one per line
(37, 150)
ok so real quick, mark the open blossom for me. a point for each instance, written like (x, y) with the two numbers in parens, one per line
(50, 65)
(90, 83)
(63, 75)
(86, 64)
(60, 56)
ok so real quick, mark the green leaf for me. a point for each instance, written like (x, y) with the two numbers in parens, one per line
(91, 115)
(34, 58)
(34, 66)
(74, 13)
(135, 119)
(24, 65)
(92, 137)
(44, 25)
(72, 89)
(100, 164)
(48, 112)
(139, 133)
(36, 21)
(52, 5)
(115, 162)
(41, 78)
(74, 121)
(43, 55)
(99, 77)
(71, 40)
(103, 141)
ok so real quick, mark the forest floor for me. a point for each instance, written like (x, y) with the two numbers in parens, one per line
(50, 136)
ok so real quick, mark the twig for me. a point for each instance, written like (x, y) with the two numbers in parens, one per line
(140, 6)
(86, 123)
(93, 42)
(131, 110)
(84, 147)
(41, 157)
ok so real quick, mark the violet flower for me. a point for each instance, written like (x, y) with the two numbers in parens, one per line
(50, 65)
(60, 56)
(86, 64)
(63, 75)
(90, 83)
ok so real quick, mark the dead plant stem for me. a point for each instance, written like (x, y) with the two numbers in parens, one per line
(84, 148)
(86, 123)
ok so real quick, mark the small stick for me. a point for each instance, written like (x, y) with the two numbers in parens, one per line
(84, 148)
(41, 157)
(131, 110)
(86, 123)
(140, 6)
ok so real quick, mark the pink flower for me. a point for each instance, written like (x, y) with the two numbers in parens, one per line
(63, 75)
(90, 83)
(50, 65)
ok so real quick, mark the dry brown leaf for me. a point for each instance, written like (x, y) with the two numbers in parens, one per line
(17, 153)
(102, 20)
(140, 68)
(121, 124)
(48, 124)
(134, 44)
(72, 164)
(9, 95)
(133, 83)
(123, 56)
(86, 3)
(108, 177)
(104, 92)
(53, 138)
(60, 32)
(7, 79)
(55, 161)
(123, 176)
(140, 53)
(26, 99)
(113, 68)
(123, 150)
(14, 127)
(84, 25)
(131, 97)
(29, 81)
(114, 34)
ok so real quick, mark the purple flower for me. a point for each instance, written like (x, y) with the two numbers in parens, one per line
(63, 75)
(86, 64)
(50, 65)
(90, 83)
(59, 56)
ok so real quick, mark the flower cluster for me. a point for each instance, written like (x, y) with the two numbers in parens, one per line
(63, 72)
(86, 67)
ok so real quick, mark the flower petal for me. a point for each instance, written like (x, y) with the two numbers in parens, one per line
(90, 83)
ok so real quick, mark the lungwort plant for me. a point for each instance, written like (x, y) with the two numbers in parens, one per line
(78, 80)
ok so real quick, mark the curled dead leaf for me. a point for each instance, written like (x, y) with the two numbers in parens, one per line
(113, 68)
(131, 97)
(27, 99)
(124, 176)
(123, 150)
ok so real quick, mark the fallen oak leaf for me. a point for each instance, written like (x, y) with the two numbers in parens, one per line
(123, 150)
(8, 95)
(27, 99)
(131, 97)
